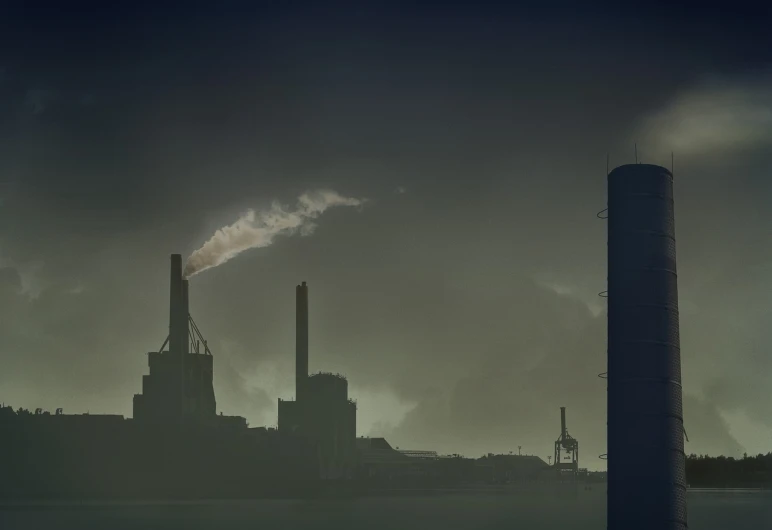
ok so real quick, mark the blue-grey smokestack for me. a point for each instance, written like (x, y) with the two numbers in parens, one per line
(175, 304)
(646, 467)
(301, 340)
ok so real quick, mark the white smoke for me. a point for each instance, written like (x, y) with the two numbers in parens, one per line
(720, 116)
(257, 229)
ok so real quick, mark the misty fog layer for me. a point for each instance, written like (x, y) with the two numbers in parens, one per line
(462, 301)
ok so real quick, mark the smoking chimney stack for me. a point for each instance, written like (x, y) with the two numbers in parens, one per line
(301, 340)
(184, 316)
(175, 304)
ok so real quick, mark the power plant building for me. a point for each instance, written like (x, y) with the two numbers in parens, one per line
(175, 446)
(322, 412)
(178, 446)
(179, 386)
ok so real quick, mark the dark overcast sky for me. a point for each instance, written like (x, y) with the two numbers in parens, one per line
(461, 301)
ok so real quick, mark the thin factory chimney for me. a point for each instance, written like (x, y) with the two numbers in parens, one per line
(184, 318)
(175, 304)
(301, 340)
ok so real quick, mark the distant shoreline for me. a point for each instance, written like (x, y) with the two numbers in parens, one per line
(702, 489)
(128, 503)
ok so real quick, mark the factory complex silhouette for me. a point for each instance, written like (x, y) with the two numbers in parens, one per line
(177, 445)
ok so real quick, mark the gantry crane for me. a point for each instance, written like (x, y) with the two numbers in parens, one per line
(566, 448)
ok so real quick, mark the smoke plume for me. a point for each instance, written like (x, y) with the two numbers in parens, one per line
(720, 116)
(257, 229)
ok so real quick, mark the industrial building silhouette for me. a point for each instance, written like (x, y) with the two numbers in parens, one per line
(322, 410)
(176, 445)
(180, 384)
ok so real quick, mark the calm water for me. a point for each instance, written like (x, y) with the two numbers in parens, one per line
(723, 510)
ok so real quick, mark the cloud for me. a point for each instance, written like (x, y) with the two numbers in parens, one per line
(76, 289)
(509, 388)
(27, 278)
(537, 349)
(707, 430)
(10, 281)
(234, 387)
(717, 116)
(38, 100)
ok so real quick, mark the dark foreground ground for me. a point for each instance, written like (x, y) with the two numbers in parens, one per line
(714, 510)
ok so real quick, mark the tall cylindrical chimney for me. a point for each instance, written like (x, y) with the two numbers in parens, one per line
(646, 464)
(301, 340)
(184, 316)
(175, 304)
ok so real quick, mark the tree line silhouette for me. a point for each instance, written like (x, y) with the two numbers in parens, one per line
(702, 471)
(727, 472)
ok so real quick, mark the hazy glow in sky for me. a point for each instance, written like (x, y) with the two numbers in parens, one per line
(715, 117)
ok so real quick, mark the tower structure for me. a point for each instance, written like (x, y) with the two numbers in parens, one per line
(179, 387)
(301, 339)
(646, 465)
(321, 413)
(566, 449)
